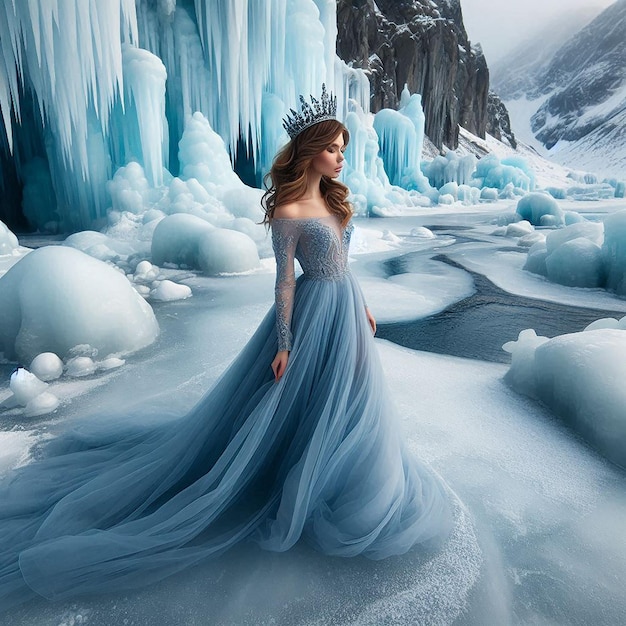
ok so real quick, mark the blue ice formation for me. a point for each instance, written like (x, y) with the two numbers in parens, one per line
(582, 391)
(540, 209)
(118, 82)
(401, 139)
(584, 254)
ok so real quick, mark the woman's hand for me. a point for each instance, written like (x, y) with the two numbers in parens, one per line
(371, 320)
(279, 364)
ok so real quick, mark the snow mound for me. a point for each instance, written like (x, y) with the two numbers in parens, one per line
(57, 297)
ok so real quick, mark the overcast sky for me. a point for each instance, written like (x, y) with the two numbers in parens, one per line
(499, 25)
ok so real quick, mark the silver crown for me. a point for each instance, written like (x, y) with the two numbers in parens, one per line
(318, 111)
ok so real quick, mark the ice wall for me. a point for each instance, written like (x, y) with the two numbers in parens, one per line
(87, 87)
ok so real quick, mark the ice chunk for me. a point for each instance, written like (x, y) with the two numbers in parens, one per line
(422, 232)
(519, 229)
(575, 375)
(166, 291)
(8, 241)
(576, 263)
(593, 231)
(57, 297)
(534, 206)
(26, 386)
(47, 366)
(80, 366)
(223, 251)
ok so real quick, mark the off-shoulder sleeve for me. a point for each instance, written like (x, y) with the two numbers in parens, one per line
(285, 235)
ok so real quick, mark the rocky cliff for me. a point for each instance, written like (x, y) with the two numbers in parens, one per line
(423, 44)
(584, 85)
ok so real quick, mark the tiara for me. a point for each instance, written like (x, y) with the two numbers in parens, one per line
(318, 111)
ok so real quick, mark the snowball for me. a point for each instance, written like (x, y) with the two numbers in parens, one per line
(42, 404)
(534, 206)
(8, 241)
(80, 366)
(166, 290)
(577, 263)
(47, 366)
(446, 199)
(26, 386)
(226, 251)
(176, 240)
(57, 297)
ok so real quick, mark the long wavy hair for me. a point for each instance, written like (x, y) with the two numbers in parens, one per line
(287, 180)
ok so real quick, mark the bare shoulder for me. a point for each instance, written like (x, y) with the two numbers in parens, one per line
(291, 210)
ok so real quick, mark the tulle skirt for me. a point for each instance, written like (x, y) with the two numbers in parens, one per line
(318, 456)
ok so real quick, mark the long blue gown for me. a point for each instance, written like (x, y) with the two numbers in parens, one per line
(317, 456)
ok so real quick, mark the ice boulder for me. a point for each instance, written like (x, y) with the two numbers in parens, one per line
(8, 241)
(577, 263)
(57, 297)
(578, 377)
(536, 259)
(177, 238)
(593, 231)
(47, 366)
(223, 251)
(614, 252)
(534, 206)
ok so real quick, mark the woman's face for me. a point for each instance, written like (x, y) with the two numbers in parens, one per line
(330, 161)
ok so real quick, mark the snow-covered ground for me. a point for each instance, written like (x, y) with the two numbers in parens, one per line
(540, 514)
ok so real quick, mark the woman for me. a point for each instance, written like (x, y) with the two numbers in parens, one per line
(304, 449)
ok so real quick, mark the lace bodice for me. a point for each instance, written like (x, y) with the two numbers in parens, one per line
(321, 247)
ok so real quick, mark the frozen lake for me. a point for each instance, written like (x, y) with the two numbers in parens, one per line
(540, 515)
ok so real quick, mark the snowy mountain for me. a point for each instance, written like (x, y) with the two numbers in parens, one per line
(574, 104)
(516, 74)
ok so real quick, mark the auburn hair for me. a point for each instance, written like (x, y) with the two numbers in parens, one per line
(287, 180)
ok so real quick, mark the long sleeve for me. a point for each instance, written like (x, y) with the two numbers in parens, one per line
(285, 235)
